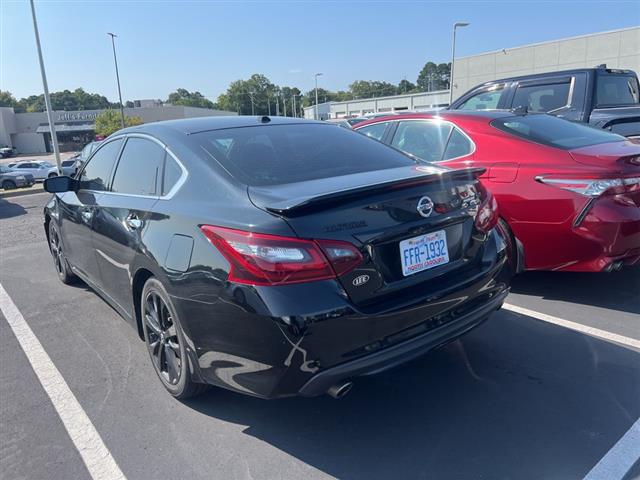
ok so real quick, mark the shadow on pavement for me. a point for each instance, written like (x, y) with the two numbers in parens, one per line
(514, 399)
(9, 209)
(617, 291)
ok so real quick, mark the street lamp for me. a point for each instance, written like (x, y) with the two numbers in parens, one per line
(115, 60)
(317, 75)
(453, 58)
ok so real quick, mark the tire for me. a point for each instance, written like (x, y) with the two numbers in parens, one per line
(52, 174)
(60, 263)
(165, 341)
(8, 185)
(512, 250)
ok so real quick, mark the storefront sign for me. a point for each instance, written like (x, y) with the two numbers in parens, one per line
(69, 116)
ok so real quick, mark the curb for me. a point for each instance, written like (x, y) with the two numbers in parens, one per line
(18, 192)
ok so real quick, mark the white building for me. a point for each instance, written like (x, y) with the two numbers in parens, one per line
(29, 132)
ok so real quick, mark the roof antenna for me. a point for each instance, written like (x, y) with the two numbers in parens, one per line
(265, 119)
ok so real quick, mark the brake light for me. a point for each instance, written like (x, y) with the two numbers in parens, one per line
(487, 216)
(262, 259)
(594, 187)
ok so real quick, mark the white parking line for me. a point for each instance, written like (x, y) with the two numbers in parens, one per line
(596, 332)
(95, 455)
(619, 460)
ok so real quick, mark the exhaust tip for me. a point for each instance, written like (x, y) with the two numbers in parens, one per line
(340, 390)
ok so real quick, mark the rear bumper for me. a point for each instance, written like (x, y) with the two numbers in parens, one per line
(403, 352)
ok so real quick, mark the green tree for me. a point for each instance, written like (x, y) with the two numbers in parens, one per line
(368, 88)
(66, 100)
(110, 121)
(256, 94)
(183, 96)
(434, 77)
(8, 100)
(405, 86)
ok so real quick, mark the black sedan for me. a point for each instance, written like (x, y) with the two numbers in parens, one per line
(276, 256)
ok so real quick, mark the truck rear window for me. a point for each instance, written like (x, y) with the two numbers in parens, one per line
(554, 131)
(616, 90)
(279, 154)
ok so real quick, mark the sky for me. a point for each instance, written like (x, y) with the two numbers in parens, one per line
(205, 45)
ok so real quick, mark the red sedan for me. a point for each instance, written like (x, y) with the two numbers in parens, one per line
(569, 194)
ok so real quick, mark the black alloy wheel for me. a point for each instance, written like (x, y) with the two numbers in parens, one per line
(59, 260)
(165, 341)
(8, 185)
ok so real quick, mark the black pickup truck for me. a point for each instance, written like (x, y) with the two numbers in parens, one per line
(600, 96)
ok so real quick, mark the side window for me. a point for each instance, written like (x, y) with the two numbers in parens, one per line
(483, 101)
(425, 140)
(459, 145)
(374, 131)
(172, 173)
(140, 168)
(542, 98)
(95, 175)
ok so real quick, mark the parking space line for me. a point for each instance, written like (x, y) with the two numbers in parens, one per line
(619, 460)
(596, 332)
(94, 453)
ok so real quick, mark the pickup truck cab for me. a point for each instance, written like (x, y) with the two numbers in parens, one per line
(600, 96)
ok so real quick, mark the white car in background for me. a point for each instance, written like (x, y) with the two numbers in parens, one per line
(40, 169)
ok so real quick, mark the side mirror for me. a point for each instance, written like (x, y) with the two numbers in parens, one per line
(60, 184)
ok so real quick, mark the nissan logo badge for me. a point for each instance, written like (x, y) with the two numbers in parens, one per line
(360, 280)
(425, 206)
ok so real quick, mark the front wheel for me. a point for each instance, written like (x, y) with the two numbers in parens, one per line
(53, 174)
(166, 342)
(8, 185)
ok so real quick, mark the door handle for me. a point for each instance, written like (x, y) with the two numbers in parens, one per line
(133, 222)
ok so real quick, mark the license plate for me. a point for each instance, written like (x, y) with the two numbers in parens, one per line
(424, 252)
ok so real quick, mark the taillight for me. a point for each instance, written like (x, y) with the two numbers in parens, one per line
(487, 216)
(262, 259)
(593, 187)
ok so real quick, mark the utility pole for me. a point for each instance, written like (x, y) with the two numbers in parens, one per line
(316, 109)
(115, 60)
(47, 100)
(253, 108)
(284, 105)
(293, 99)
(269, 103)
(453, 57)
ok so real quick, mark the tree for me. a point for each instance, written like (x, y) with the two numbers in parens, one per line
(252, 96)
(182, 96)
(110, 121)
(367, 88)
(405, 86)
(434, 77)
(65, 100)
(8, 100)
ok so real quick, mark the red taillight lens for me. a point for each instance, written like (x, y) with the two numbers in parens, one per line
(487, 216)
(261, 259)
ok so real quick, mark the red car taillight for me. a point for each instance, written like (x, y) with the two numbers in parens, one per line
(593, 187)
(487, 216)
(262, 259)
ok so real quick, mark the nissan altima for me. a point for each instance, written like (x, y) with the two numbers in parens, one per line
(276, 256)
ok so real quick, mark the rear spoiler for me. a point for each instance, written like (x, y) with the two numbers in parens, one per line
(296, 204)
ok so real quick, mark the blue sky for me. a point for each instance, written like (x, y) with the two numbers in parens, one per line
(163, 45)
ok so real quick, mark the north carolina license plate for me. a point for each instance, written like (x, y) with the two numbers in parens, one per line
(424, 252)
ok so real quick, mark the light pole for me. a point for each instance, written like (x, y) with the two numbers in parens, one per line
(115, 60)
(253, 108)
(47, 100)
(453, 58)
(317, 75)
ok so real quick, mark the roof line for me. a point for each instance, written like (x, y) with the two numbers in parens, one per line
(546, 42)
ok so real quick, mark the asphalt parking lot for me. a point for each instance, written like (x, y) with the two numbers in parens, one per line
(518, 398)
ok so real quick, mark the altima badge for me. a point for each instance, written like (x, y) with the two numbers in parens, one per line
(425, 206)
(360, 280)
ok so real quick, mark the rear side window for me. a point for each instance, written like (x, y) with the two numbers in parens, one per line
(172, 173)
(374, 131)
(542, 98)
(140, 168)
(483, 101)
(459, 145)
(426, 140)
(278, 154)
(554, 131)
(614, 90)
(96, 173)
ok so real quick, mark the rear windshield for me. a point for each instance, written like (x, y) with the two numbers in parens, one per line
(616, 90)
(278, 154)
(554, 131)
(68, 163)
